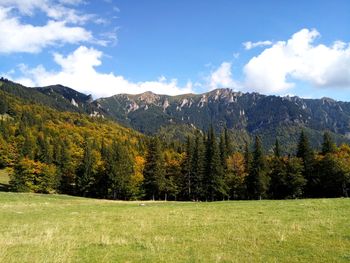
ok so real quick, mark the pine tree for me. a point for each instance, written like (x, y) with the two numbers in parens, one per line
(29, 146)
(276, 149)
(304, 150)
(84, 174)
(66, 167)
(44, 149)
(103, 182)
(198, 167)
(257, 180)
(119, 170)
(305, 153)
(3, 105)
(188, 169)
(228, 144)
(214, 184)
(223, 151)
(247, 157)
(154, 173)
(328, 145)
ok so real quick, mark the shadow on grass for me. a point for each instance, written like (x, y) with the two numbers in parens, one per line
(4, 187)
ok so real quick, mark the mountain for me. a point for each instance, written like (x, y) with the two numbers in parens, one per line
(242, 113)
(56, 96)
(174, 117)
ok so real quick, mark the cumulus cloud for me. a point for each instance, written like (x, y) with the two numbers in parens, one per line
(250, 45)
(276, 69)
(77, 70)
(222, 77)
(18, 37)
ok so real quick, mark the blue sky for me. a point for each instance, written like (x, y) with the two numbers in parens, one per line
(128, 46)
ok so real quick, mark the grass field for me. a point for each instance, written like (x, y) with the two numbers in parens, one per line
(53, 228)
(4, 180)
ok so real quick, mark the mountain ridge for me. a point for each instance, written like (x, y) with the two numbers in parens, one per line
(176, 117)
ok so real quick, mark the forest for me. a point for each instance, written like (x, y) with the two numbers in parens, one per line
(50, 151)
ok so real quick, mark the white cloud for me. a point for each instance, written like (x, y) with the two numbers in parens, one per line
(249, 45)
(222, 77)
(78, 72)
(56, 10)
(18, 37)
(277, 68)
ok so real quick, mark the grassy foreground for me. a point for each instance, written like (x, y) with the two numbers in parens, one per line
(53, 228)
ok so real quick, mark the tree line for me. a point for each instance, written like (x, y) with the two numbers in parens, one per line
(48, 151)
(205, 168)
(211, 171)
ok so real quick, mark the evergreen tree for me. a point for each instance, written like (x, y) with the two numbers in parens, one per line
(153, 173)
(84, 174)
(257, 180)
(334, 175)
(228, 144)
(223, 151)
(198, 164)
(247, 157)
(29, 145)
(44, 149)
(66, 167)
(119, 170)
(187, 170)
(276, 149)
(102, 181)
(287, 180)
(295, 179)
(305, 153)
(3, 105)
(215, 188)
(328, 145)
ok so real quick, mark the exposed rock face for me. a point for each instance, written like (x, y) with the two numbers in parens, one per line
(246, 113)
(252, 112)
(74, 103)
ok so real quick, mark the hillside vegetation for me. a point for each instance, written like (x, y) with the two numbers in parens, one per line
(48, 149)
(52, 228)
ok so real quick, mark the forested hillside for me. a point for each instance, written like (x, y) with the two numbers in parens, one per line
(53, 151)
(58, 149)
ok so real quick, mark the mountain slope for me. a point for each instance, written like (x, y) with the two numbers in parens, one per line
(175, 117)
(251, 113)
(56, 96)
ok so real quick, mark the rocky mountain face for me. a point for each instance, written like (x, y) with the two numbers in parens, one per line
(253, 112)
(244, 114)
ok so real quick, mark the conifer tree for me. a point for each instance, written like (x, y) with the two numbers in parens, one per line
(198, 167)
(66, 167)
(257, 180)
(223, 151)
(29, 145)
(119, 170)
(247, 157)
(228, 144)
(328, 145)
(153, 173)
(44, 149)
(305, 153)
(276, 149)
(84, 174)
(214, 175)
(187, 170)
(3, 105)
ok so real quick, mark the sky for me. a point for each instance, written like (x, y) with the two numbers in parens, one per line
(106, 47)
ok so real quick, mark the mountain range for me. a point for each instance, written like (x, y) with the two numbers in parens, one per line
(175, 117)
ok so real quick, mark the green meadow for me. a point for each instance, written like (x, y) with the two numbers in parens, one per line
(58, 228)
